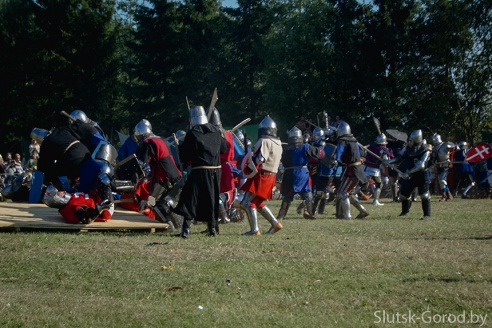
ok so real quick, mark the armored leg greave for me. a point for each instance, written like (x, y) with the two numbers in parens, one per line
(267, 214)
(362, 211)
(322, 204)
(377, 193)
(344, 206)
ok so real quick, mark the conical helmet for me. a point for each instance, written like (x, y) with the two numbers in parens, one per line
(215, 118)
(381, 139)
(343, 128)
(318, 134)
(267, 127)
(295, 135)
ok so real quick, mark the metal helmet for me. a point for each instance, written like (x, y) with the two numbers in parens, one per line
(463, 145)
(240, 135)
(381, 139)
(318, 134)
(436, 139)
(215, 118)
(295, 135)
(106, 152)
(39, 135)
(78, 115)
(197, 115)
(343, 128)
(415, 138)
(143, 128)
(267, 127)
(180, 134)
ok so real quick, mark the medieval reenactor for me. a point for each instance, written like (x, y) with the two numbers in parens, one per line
(348, 155)
(441, 159)
(296, 156)
(162, 173)
(463, 170)
(414, 174)
(260, 167)
(372, 164)
(201, 150)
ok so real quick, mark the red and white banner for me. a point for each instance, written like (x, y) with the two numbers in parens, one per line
(480, 152)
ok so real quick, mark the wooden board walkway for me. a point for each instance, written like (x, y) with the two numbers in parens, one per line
(19, 216)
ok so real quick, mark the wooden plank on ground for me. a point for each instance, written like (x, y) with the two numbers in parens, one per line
(40, 216)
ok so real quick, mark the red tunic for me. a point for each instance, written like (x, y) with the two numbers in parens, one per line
(227, 177)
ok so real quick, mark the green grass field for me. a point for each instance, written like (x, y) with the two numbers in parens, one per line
(378, 272)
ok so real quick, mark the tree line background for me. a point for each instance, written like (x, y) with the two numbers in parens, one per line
(411, 63)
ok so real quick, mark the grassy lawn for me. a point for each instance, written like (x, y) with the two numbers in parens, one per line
(313, 273)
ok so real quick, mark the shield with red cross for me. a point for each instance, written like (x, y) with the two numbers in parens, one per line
(480, 152)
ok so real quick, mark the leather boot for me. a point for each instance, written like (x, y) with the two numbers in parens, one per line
(322, 205)
(443, 197)
(284, 208)
(449, 196)
(426, 208)
(308, 210)
(300, 208)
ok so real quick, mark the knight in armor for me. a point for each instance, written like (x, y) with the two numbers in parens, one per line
(201, 150)
(162, 173)
(261, 167)
(348, 155)
(239, 160)
(61, 156)
(296, 156)
(463, 170)
(326, 172)
(441, 159)
(372, 164)
(227, 181)
(414, 162)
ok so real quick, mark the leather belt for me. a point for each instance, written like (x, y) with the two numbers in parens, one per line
(354, 164)
(268, 173)
(205, 167)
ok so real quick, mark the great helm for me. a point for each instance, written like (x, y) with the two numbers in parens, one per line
(318, 134)
(142, 130)
(215, 118)
(39, 135)
(197, 115)
(381, 139)
(267, 127)
(78, 115)
(436, 139)
(343, 128)
(415, 139)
